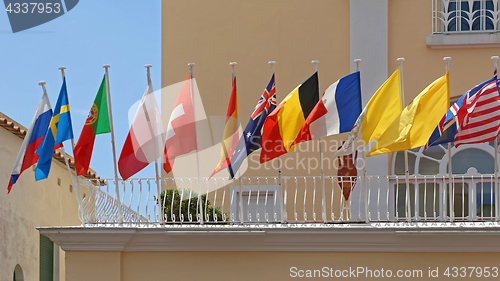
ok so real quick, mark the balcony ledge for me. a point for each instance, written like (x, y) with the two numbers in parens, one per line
(373, 237)
(463, 40)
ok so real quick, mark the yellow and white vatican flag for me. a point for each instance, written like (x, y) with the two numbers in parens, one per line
(413, 127)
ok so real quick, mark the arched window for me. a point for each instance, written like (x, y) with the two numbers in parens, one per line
(18, 273)
(466, 15)
(434, 160)
(472, 195)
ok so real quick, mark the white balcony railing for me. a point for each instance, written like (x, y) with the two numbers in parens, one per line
(98, 206)
(292, 200)
(452, 16)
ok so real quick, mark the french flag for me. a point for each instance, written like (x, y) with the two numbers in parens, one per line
(336, 112)
(34, 137)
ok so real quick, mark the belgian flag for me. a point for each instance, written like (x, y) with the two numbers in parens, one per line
(97, 123)
(282, 126)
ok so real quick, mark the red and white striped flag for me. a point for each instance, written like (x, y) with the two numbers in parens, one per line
(479, 117)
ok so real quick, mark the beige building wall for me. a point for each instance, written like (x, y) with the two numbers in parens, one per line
(125, 266)
(29, 205)
(274, 252)
(409, 24)
(292, 33)
(212, 34)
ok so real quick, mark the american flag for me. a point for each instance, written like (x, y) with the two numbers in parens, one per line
(446, 130)
(478, 120)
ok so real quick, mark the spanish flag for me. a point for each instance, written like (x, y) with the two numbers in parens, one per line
(230, 136)
(282, 126)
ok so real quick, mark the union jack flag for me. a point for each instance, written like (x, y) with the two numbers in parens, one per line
(251, 139)
(267, 100)
(462, 122)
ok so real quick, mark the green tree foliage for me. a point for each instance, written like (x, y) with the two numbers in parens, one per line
(189, 202)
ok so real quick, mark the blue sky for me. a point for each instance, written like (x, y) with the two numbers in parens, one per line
(123, 34)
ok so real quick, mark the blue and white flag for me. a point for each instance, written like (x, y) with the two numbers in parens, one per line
(60, 129)
(251, 139)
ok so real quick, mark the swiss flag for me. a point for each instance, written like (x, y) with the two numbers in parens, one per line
(181, 129)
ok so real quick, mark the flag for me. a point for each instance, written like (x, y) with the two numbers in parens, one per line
(383, 107)
(337, 110)
(97, 123)
(181, 129)
(145, 139)
(230, 136)
(282, 127)
(251, 139)
(413, 127)
(447, 128)
(60, 129)
(347, 174)
(478, 120)
(34, 137)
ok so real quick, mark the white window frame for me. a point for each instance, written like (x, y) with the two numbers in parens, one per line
(252, 209)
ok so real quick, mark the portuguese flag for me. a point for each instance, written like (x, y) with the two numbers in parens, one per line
(97, 123)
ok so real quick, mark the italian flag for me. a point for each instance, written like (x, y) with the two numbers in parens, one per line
(97, 123)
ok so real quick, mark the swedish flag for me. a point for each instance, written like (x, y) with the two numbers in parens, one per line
(60, 129)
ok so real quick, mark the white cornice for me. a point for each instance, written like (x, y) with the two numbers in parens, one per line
(463, 40)
(440, 237)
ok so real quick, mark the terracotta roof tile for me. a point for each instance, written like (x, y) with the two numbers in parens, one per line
(18, 130)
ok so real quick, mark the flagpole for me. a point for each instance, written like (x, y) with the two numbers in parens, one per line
(197, 157)
(495, 64)
(110, 117)
(407, 173)
(42, 83)
(282, 218)
(78, 196)
(367, 219)
(158, 190)
(322, 175)
(451, 198)
(233, 73)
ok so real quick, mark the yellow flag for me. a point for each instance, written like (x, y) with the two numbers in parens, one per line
(413, 127)
(378, 114)
(383, 107)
